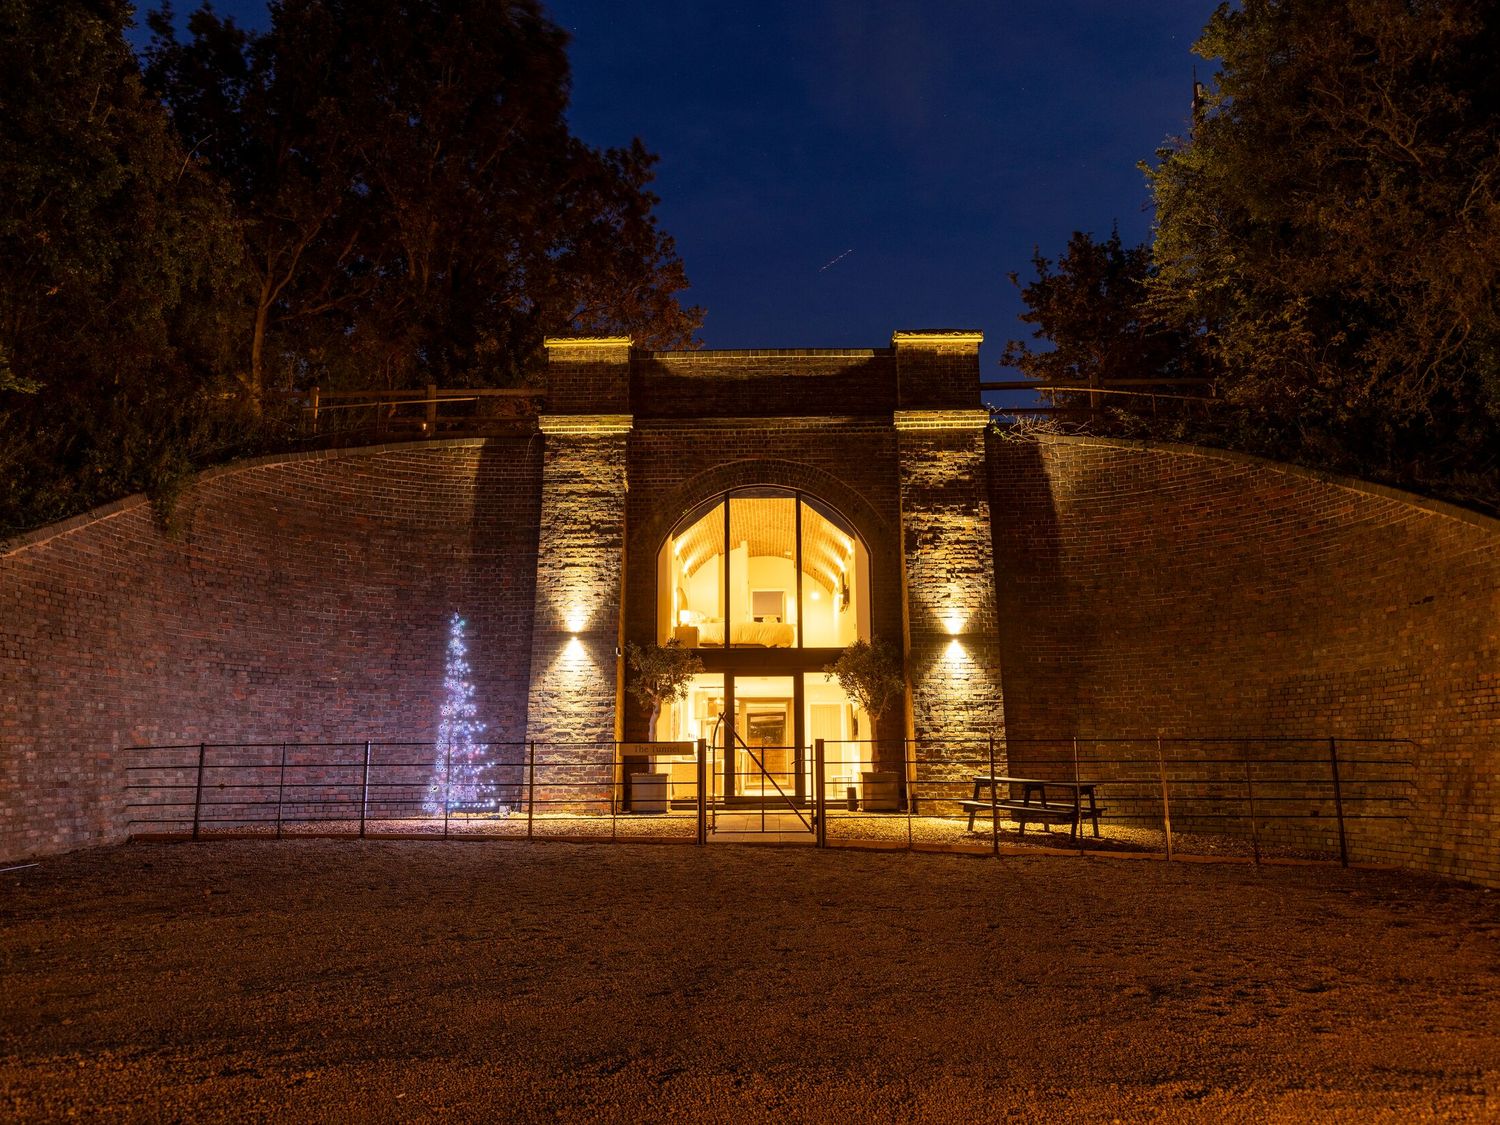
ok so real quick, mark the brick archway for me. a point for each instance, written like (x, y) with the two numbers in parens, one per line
(876, 531)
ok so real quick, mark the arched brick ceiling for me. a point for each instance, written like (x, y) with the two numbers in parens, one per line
(768, 525)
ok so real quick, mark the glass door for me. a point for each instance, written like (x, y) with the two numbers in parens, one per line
(766, 759)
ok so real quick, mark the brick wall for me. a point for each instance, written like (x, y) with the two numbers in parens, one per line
(1198, 593)
(307, 600)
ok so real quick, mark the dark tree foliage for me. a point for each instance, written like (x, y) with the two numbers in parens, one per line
(415, 206)
(1092, 310)
(111, 289)
(1331, 231)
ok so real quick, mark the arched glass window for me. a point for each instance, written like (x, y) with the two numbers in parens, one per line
(763, 568)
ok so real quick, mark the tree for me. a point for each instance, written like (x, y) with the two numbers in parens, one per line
(416, 207)
(460, 767)
(1093, 312)
(113, 278)
(662, 673)
(1331, 231)
(869, 672)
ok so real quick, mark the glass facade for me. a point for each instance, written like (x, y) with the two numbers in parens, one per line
(763, 568)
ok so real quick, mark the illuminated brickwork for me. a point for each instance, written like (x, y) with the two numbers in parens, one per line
(954, 665)
(578, 584)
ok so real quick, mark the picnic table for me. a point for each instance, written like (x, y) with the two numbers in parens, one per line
(1034, 804)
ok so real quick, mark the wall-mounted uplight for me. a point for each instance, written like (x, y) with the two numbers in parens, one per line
(954, 624)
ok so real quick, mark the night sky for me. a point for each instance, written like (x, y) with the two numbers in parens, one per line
(834, 170)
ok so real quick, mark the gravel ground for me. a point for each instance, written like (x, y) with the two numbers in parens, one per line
(946, 833)
(412, 980)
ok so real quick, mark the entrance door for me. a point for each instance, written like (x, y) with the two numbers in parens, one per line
(759, 726)
(767, 762)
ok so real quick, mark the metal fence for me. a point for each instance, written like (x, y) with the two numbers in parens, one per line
(1259, 797)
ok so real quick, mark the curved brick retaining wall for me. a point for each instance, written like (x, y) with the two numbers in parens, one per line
(1139, 589)
(307, 599)
(1147, 589)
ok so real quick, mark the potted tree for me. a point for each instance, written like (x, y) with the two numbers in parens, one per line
(662, 673)
(870, 674)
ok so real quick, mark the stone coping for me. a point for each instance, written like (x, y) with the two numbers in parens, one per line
(1340, 480)
(585, 343)
(584, 425)
(941, 419)
(938, 337)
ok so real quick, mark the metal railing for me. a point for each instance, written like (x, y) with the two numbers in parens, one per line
(416, 412)
(1326, 796)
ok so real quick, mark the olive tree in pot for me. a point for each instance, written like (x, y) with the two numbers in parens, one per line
(662, 673)
(870, 674)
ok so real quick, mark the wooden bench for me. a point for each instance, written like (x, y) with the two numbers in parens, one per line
(1072, 813)
(1021, 812)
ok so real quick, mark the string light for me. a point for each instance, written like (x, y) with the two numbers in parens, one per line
(459, 767)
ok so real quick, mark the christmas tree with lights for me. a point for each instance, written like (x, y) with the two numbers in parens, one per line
(459, 768)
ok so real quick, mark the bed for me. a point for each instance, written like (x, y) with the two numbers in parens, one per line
(758, 634)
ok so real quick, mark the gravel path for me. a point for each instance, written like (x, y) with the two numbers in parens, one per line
(413, 980)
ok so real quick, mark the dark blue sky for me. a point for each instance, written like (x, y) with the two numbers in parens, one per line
(930, 144)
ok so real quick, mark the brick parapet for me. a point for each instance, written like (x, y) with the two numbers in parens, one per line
(937, 369)
(588, 375)
(700, 385)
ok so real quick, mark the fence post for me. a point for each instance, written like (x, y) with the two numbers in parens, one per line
(432, 401)
(1077, 799)
(1166, 805)
(198, 791)
(909, 771)
(702, 791)
(820, 797)
(313, 397)
(1338, 799)
(447, 788)
(1250, 799)
(280, 789)
(530, 788)
(364, 792)
(994, 802)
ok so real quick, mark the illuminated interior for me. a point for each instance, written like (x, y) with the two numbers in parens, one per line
(772, 755)
(763, 568)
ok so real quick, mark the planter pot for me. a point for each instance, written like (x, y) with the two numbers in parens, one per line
(648, 792)
(882, 793)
